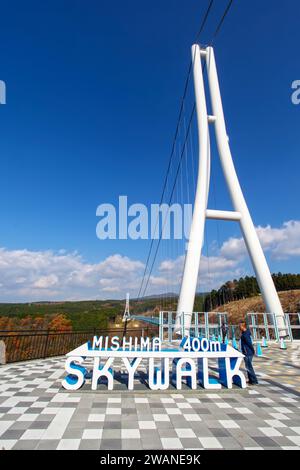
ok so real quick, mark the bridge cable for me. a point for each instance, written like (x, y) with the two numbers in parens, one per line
(170, 198)
(185, 142)
(221, 22)
(174, 141)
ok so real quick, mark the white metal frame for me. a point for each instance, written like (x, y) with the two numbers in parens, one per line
(263, 324)
(293, 327)
(199, 322)
(201, 212)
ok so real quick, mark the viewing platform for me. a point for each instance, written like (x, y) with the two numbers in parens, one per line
(37, 413)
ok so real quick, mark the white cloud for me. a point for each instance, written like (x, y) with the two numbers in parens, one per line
(214, 271)
(45, 282)
(233, 248)
(281, 243)
(47, 275)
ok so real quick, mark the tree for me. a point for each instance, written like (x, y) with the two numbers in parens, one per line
(60, 323)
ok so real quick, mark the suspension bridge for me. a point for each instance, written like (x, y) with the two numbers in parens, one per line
(190, 178)
(37, 414)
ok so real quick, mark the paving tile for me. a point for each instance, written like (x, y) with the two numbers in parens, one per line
(29, 444)
(171, 443)
(92, 434)
(270, 432)
(13, 434)
(7, 444)
(228, 424)
(132, 444)
(68, 444)
(35, 434)
(294, 439)
(111, 444)
(265, 442)
(190, 443)
(72, 433)
(210, 443)
(89, 444)
(147, 425)
(113, 434)
(185, 432)
(168, 432)
(36, 413)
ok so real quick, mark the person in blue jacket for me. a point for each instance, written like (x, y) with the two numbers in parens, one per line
(248, 351)
(224, 332)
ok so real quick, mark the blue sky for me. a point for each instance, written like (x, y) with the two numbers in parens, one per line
(93, 92)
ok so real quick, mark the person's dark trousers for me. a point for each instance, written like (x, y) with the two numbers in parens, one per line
(251, 374)
(223, 337)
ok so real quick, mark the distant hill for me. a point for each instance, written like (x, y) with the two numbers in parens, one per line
(89, 314)
(82, 315)
(290, 301)
(86, 314)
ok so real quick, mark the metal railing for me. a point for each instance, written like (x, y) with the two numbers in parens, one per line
(264, 324)
(209, 324)
(206, 324)
(25, 345)
(292, 321)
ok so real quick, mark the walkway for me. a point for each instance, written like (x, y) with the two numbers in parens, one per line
(36, 413)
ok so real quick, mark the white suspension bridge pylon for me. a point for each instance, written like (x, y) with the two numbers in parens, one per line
(126, 314)
(201, 212)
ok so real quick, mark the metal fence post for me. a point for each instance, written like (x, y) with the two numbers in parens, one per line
(170, 332)
(196, 323)
(254, 326)
(206, 323)
(46, 345)
(266, 326)
(2, 352)
(288, 324)
(161, 321)
(276, 327)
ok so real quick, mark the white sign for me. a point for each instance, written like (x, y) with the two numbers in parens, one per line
(189, 363)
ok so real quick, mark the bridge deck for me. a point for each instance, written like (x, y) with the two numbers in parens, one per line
(149, 320)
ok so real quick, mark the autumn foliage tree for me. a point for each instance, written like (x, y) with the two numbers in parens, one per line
(60, 323)
(6, 323)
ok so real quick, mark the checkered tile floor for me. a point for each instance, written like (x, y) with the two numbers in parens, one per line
(36, 413)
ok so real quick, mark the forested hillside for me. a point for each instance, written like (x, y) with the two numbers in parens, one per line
(248, 287)
(92, 314)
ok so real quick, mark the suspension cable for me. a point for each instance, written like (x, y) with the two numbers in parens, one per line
(218, 28)
(174, 142)
(171, 196)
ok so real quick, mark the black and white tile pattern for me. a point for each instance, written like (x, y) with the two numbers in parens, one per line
(36, 413)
